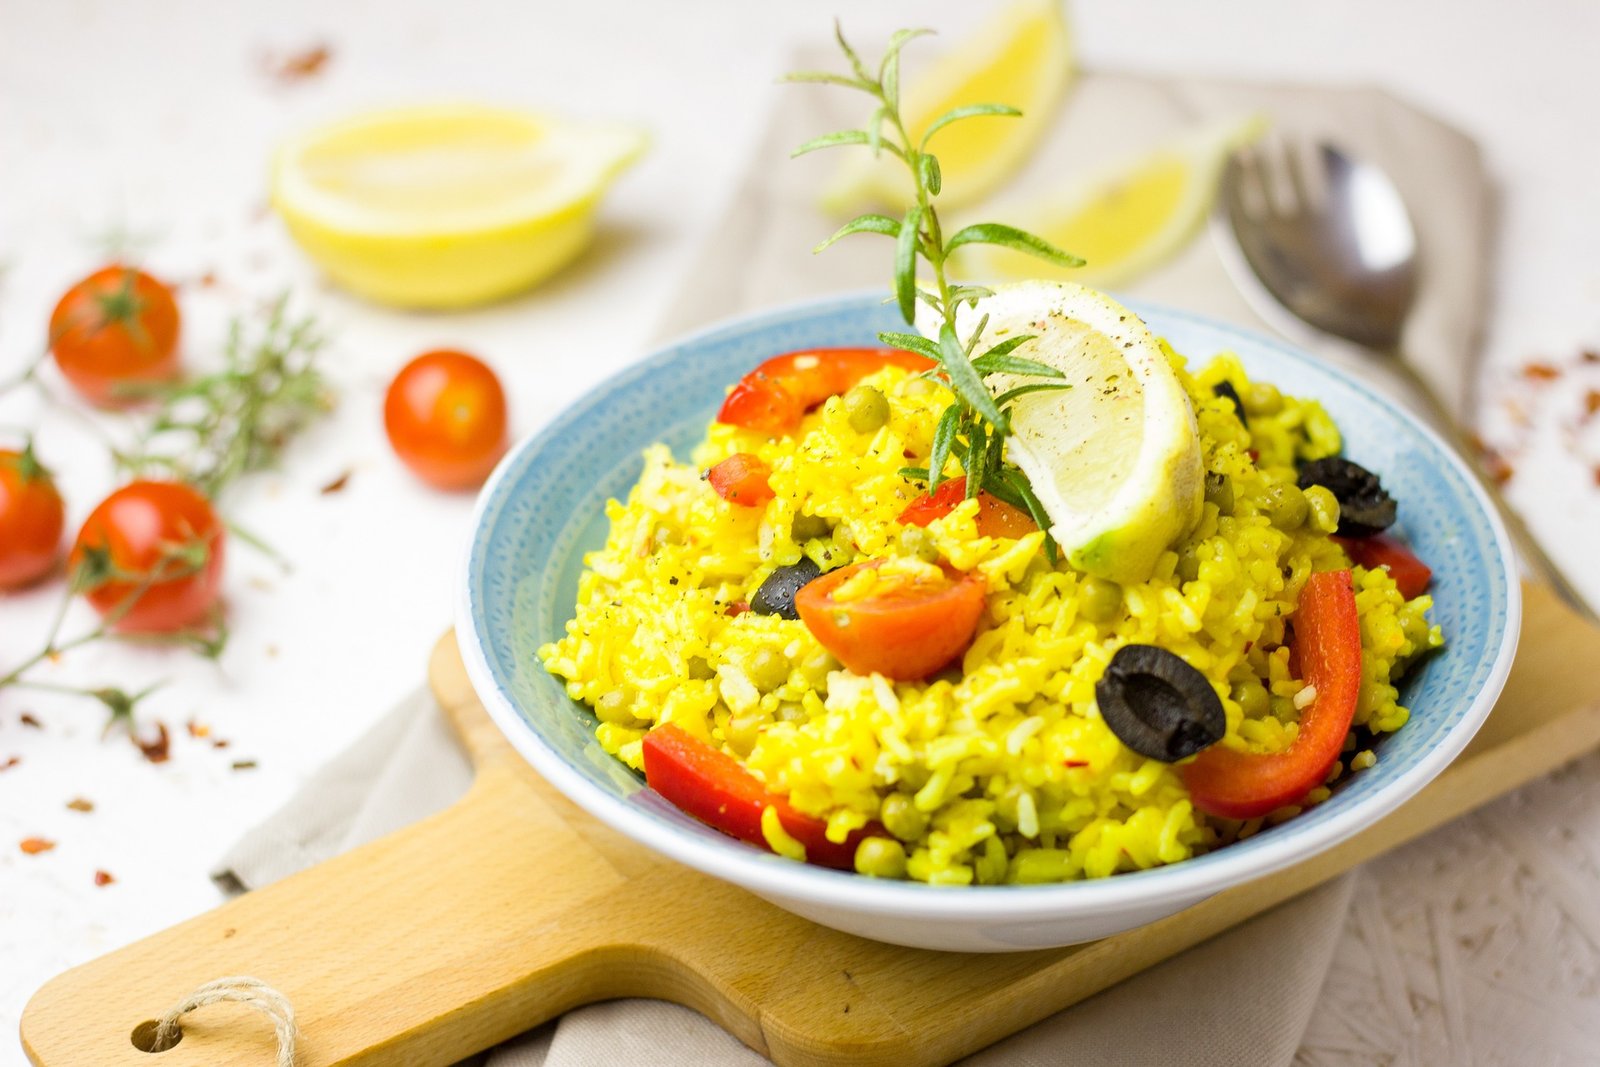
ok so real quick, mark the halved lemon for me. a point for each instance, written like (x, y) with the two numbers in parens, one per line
(1115, 459)
(447, 206)
(1125, 220)
(1023, 58)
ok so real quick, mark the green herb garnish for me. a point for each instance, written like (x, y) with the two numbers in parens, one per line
(974, 428)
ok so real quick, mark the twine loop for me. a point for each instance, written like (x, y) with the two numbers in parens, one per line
(239, 989)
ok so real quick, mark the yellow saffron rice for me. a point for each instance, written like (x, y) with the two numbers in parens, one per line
(1001, 771)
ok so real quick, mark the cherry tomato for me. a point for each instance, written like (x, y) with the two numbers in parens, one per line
(1411, 575)
(31, 519)
(907, 631)
(1327, 635)
(776, 395)
(713, 787)
(996, 518)
(114, 331)
(741, 479)
(445, 414)
(149, 557)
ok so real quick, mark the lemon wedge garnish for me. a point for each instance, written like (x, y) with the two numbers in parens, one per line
(447, 206)
(1125, 220)
(1022, 58)
(1115, 459)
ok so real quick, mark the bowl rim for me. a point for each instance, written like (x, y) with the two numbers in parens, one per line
(770, 875)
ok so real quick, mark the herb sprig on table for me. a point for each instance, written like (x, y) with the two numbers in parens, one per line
(974, 428)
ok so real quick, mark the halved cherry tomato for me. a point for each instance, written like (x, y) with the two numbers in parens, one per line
(31, 519)
(114, 331)
(741, 479)
(149, 557)
(996, 518)
(906, 632)
(445, 415)
(1327, 634)
(712, 786)
(776, 395)
(1411, 575)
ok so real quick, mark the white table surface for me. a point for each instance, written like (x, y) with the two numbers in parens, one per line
(1481, 943)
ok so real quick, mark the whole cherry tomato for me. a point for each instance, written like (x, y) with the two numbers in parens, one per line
(149, 557)
(113, 332)
(31, 518)
(445, 414)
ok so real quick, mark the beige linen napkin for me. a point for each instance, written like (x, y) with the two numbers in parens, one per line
(1240, 1000)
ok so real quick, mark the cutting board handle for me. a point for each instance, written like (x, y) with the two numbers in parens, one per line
(449, 936)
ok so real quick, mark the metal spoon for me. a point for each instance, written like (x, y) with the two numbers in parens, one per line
(1335, 246)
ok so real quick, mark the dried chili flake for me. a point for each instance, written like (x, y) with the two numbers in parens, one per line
(1589, 355)
(737, 608)
(103, 878)
(10, 763)
(1541, 372)
(197, 729)
(1591, 404)
(220, 743)
(299, 66)
(159, 748)
(82, 804)
(337, 485)
(28, 719)
(35, 845)
(1074, 763)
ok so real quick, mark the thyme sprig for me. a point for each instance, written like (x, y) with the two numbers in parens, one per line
(974, 428)
(210, 430)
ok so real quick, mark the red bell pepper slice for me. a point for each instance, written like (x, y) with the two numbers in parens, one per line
(713, 787)
(1411, 575)
(741, 479)
(776, 395)
(1243, 785)
(906, 632)
(996, 518)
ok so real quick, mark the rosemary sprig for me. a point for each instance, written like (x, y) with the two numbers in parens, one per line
(974, 428)
(210, 430)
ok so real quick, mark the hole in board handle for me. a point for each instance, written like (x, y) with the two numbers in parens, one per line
(144, 1037)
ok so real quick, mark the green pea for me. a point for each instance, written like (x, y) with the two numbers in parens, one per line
(1324, 508)
(1262, 398)
(700, 669)
(612, 707)
(881, 857)
(1252, 698)
(866, 408)
(1286, 506)
(1219, 491)
(901, 817)
(1100, 599)
(809, 528)
(1189, 562)
(917, 387)
(767, 670)
(918, 542)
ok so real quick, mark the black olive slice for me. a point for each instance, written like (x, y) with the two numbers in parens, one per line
(1158, 705)
(1364, 508)
(1225, 388)
(776, 595)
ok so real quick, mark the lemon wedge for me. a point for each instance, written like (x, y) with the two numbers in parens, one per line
(1023, 58)
(1126, 220)
(447, 206)
(1115, 459)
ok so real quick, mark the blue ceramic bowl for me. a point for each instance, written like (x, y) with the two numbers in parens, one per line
(544, 508)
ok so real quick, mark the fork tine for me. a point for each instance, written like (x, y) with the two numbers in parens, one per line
(1244, 186)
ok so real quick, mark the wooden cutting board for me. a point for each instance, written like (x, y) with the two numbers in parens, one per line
(513, 906)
